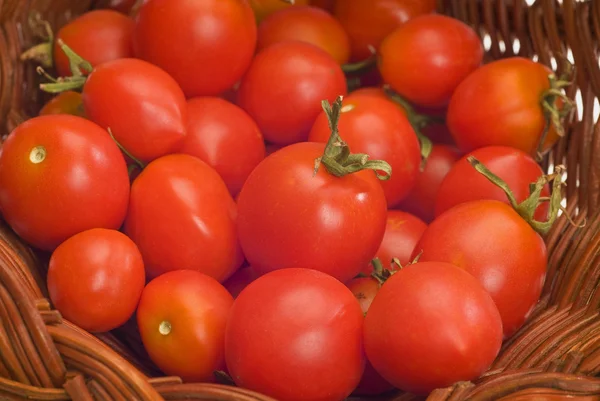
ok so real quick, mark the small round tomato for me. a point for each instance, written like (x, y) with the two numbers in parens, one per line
(264, 8)
(224, 136)
(283, 89)
(310, 327)
(61, 175)
(181, 318)
(240, 280)
(97, 36)
(95, 279)
(431, 325)
(68, 102)
(205, 45)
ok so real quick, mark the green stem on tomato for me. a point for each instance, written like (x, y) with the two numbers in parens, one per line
(75, 81)
(137, 161)
(41, 53)
(363, 65)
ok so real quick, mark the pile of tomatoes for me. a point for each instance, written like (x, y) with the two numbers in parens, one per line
(317, 199)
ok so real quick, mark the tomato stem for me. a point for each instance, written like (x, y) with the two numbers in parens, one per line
(137, 161)
(41, 53)
(75, 81)
(363, 65)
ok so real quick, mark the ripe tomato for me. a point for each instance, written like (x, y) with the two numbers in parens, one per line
(264, 8)
(306, 24)
(283, 89)
(240, 280)
(489, 240)
(182, 216)
(509, 113)
(95, 279)
(425, 59)
(449, 330)
(181, 318)
(324, 4)
(98, 36)
(368, 22)
(147, 123)
(68, 102)
(310, 327)
(205, 45)
(61, 175)
(123, 6)
(225, 137)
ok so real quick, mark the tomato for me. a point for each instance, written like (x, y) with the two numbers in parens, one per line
(296, 334)
(123, 6)
(463, 183)
(148, 123)
(421, 200)
(431, 325)
(489, 240)
(306, 24)
(425, 59)
(95, 279)
(205, 45)
(240, 280)
(283, 89)
(68, 102)
(368, 22)
(264, 8)
(182, 216)
(225, 137)
(61, 175)
(509, 113)
(380, 129)
(97, 36)
(324, 4)
(181, 318)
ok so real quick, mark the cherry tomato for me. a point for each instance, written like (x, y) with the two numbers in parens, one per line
(368, 22)
(182, 216)
(431, 325)
(61, 175)
(296, 334)
(205, 45)
(225, 137)
(324, 4)
(68, 102)
(425, 59)
(489, 240)
(147, 123)
(264, 8)
(95, 279)
(283, 89)
(508, 111)
(181, 318)
(97, 36)
(240, 280)
(306, 24)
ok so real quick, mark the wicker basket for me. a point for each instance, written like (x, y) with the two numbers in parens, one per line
(556, 354)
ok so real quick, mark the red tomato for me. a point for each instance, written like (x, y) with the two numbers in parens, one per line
(123, 6)
(61, 175)
(284, 87)
(205, 45)
(95, 279)
(68, 102)
(431, 325)
(182, 216)
(264, 8)
(296, 334)
(148, 123)
(425, 59)
(97, 36)
(499, 119)
(225, 137)
(489, 240)
(324, 4)
(240, 280)
(181, 318)
(306, 24)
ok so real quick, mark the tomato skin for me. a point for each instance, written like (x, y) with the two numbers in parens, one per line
(283, 89)
(216, 36)
(196, 307)
(451, 330)
(489, 240)
(81, 184)
(264, 8)
(68, 102)
(122, 6)
(310, 326)
(327, 5)
(184, 192)
(364, 289)
(289, 217)
(225, 137)
(240, 280)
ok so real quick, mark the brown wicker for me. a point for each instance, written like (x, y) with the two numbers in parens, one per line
(556, 354)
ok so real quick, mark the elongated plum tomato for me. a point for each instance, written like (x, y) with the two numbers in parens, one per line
(181, 317)
(141, 104)
(425, 59)
(264, 8)
(205, 45)
(69, 102)
(61, 175)
(283, 89)
(310, 326)
(508, 96)
(450, 329)
(96, 278)
(182, 216)
(489, 240)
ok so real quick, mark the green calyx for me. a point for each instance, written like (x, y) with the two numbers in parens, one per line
(75, 81)
(381, 274)
(43, 52)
